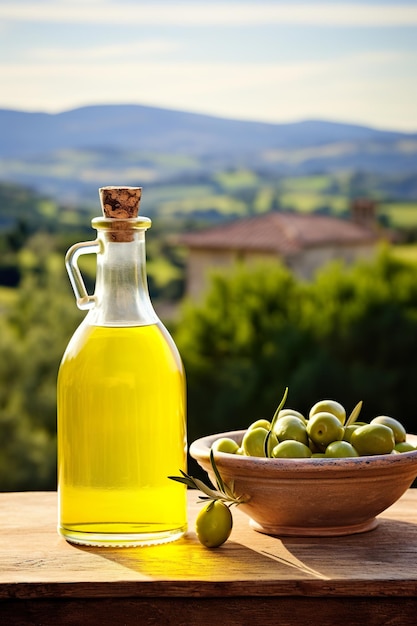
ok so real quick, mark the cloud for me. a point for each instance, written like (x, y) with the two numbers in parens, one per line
(151, 47)
(330, 89)
(208, 14)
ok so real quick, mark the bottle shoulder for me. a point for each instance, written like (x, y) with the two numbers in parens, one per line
(148, 341)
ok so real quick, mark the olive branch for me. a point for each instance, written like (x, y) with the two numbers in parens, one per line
(223, 492)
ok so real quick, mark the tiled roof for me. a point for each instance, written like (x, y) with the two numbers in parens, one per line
(284, 233)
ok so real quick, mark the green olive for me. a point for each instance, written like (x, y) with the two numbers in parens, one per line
(340, 449)
(329, 406)
(225, 444)
(214, 524)
(404, 446)
(253, 442)
(261, 423)
(397, 428)
(323, 428)
(291, 449)
(291, 427)
(373, 439)
(293, 413)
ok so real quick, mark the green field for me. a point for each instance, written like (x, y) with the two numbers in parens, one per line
(406, 253)
(401, 215)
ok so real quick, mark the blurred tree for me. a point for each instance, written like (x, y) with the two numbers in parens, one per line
(33, 336)
(350, 335)
(237, 347)
(363, 322)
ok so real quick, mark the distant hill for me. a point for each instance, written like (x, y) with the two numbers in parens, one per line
(70, 154)
(135, 127)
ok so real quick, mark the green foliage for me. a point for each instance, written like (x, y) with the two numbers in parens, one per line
(236, 346)
(350, 335)
(363, 323)
(33, 335)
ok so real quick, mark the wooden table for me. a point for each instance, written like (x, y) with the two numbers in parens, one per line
(251, 580)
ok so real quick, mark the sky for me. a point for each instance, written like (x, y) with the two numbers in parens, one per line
(273, 61)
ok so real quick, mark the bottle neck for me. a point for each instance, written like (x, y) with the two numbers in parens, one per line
(121, 293)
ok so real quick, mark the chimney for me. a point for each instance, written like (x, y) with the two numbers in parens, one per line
(363, 212)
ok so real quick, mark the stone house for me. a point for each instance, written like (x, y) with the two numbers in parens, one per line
(304, 242)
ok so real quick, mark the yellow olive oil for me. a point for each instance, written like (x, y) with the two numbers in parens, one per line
(121, 433)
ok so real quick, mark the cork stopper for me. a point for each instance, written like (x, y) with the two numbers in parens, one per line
(120, 204)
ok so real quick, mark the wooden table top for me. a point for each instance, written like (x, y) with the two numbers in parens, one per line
(36, 565)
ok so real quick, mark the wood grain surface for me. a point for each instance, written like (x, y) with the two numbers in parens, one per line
(369, 578)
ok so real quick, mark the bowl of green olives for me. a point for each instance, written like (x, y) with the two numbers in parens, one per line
(320, 475)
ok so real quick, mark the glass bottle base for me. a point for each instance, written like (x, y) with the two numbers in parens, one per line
(120, 539)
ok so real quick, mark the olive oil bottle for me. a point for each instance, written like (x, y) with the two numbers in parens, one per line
(121, 397)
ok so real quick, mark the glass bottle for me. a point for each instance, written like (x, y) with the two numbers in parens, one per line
(121, 396)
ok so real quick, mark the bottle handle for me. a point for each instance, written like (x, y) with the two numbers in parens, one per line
(84, 300)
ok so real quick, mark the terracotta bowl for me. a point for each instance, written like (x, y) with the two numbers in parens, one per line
(312, 497)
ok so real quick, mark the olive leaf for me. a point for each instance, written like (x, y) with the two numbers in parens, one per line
(355, 414)
(273, 422)
(219, 479)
